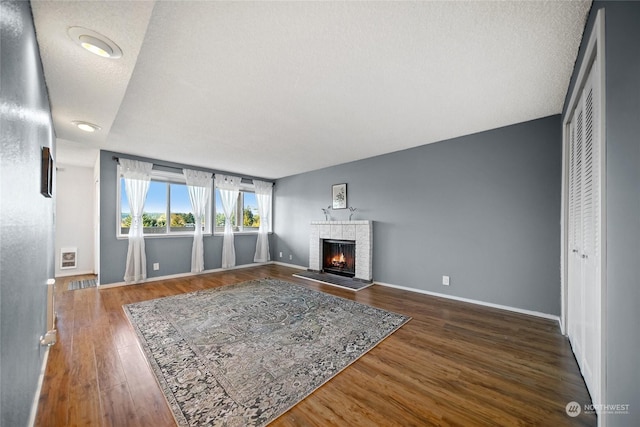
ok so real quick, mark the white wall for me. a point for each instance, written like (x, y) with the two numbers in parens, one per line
(74, 217)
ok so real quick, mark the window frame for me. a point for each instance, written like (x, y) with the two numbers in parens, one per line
(244, 188)
(168, 178)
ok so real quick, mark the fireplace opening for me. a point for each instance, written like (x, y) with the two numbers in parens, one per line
(339, 257)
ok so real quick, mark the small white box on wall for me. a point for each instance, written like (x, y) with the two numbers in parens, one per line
(68, 258)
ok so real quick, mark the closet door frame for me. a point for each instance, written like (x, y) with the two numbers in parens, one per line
(594, 53)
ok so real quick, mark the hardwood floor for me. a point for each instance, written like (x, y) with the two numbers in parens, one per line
(453, 364)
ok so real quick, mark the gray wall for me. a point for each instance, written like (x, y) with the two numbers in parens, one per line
(26, 217)
(483, 209)
(622, 68)
(173, 254)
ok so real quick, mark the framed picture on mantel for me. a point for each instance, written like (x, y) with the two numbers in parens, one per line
(339, 196)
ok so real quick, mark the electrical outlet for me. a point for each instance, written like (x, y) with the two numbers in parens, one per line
(156, 266)
(445, 280)
(290, 257)
(280, 254)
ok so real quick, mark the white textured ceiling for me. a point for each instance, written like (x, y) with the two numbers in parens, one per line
(272, 89)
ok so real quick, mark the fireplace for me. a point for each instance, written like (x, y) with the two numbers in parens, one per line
(359, 233)
(339, 257)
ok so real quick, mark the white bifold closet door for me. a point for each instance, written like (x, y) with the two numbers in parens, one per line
(584, 234)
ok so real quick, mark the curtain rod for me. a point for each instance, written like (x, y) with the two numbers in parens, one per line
(117, 160)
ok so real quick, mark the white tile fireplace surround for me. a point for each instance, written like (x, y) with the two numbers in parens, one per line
(359, 231)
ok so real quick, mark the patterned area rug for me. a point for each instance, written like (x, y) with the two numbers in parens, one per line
(241, 355)
(81, 284)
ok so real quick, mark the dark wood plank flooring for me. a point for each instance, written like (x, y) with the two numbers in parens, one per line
(453, 364)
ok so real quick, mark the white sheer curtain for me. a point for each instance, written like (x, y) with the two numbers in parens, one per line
(137, 176)
(229, 187)
(199, 186)
(263, 191)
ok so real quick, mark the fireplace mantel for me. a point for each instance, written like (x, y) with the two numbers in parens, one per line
(359, 231)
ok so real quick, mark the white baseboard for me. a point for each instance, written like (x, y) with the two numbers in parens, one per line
(473, 301)
(284, 264)
(75, 273)
(180, 275)
(36, 397)
(404, 288)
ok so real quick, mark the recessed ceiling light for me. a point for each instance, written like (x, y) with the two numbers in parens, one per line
(96, 46)
(95, 42)
(86, 126)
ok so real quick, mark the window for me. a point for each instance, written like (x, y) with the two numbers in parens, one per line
(168, 197)
(246, 217)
